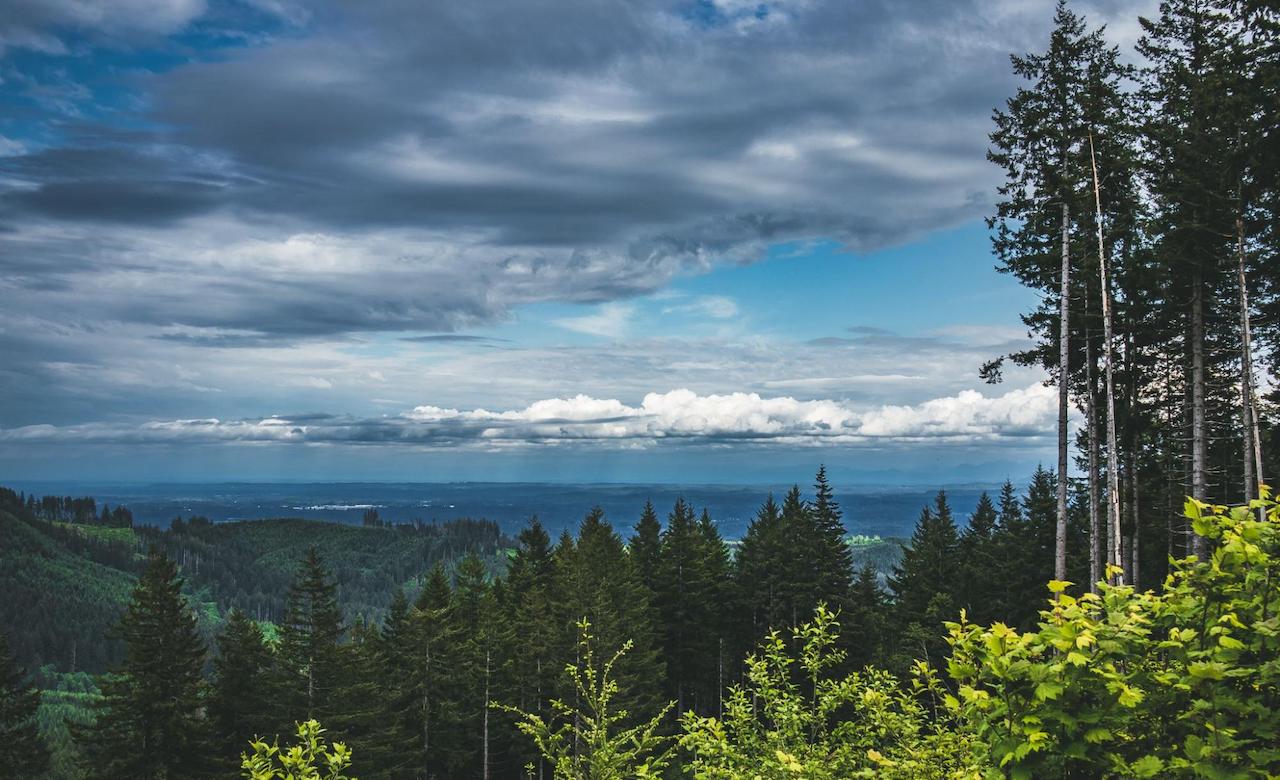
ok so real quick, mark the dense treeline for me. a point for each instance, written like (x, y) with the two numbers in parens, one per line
(65, 509)
(409, 693)
(1141, 202)
(1118, 683)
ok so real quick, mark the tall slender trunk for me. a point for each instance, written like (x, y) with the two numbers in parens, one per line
(486, 715)
(1064, 354)
(1252, 439)
(1198, 544)
(426, 714)
(539, 684)
(1096, 547)
(1113, 452)
(1135, 573)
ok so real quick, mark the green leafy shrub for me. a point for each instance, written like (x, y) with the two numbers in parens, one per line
(793, 720)
(1183, 683)
(311, 759)
(588, 740)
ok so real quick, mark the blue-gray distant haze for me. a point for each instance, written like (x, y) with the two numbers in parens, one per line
(872, 510)
(582, 240)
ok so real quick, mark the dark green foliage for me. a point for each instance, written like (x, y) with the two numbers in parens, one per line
(535, 664)
(244, 689)
(866, 617)
(758, 578)
(22, 751)
(925, 584)
(149, 721)
(596, 580)
(690, 589)
(249, 565)
(831, 556)
(645, 547)
(980, 593)
(310, 668)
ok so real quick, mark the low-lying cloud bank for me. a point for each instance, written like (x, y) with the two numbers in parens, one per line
(677, 416)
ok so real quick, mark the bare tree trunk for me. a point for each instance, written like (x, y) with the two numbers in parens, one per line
(1096, 547)
(1113, 452)
(539, 667)
(1252, 440)
(426, 714)
(1198, 481)
(1135, 573)
(1064, 355)
(486, 715)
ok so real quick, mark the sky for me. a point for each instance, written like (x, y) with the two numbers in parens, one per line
(582, 240)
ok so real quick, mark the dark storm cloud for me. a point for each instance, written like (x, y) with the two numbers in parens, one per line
(409, 167)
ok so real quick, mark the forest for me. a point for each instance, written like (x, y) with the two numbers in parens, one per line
(1107, 619)
(660, 649)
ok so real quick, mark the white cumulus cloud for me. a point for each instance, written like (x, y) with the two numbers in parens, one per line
(678, 415)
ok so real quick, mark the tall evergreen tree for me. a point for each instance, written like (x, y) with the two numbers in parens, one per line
(691, 572)
(1028, 551)
(149, 722)
(833, 559)
(596, 580)
(22, 751)
(924, 584)
(428, 695)
(310, 659)
(645, 546)
(864, 621)
(1041, 223)
(758, 572)
(980, 562)
(242, 698)
(1202, 140)
(393, 674)
(535, 665)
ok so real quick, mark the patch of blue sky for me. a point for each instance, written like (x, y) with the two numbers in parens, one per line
(801, 291)
(816, 289)
(47, 95)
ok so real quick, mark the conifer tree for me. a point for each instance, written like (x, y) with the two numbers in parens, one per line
(366, 719)
(243, 693)
(645, 546)
(535, 666)
(427, 705)
(865, 620)
(1029, 551)
(149, 723)
(691, 572)
(924, 584)
(758, 569)
(1041, 222)
(1201, 137)
(461, 731)
(596, 580)
(22, 751)
(832, 558)
(392, 672)
(800, 580)
(310, 659)
(980, 563)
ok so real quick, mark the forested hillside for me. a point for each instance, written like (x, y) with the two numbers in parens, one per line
(397, 638)
(70, 575)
